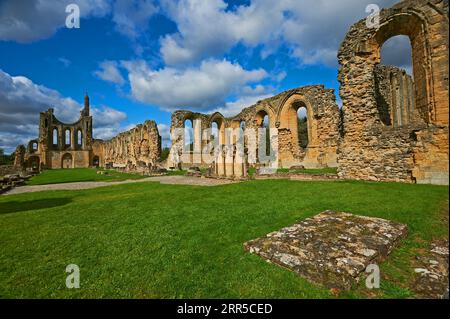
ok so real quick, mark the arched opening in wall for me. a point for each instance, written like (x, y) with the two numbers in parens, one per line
(34, 146)
(302, 127)
(67, 138)
(34, 162)
(96, 161)
(394, 83)
(67, 161)
(214, 138)
(79, 139)
(263, 126)
(189, 136)
(55, 137)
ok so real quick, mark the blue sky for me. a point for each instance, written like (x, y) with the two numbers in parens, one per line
(144, 59)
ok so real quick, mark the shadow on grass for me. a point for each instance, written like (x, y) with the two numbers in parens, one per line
(17, 206)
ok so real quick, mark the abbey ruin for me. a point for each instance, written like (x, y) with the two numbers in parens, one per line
(62, 145)
(391, 127)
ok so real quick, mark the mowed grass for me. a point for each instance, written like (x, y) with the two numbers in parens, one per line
(326, 170)
(147, 240)
(57, 176)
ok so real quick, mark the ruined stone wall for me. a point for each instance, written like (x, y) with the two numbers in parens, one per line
(139, 147)
(370, 149)
(61, 145)
(323, 127)
(394, 92)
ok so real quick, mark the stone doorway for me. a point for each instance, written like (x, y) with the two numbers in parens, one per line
(67, 161)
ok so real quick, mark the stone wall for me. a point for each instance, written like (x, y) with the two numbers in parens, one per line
(322, 119)
(137, 148)
(61, 145)
(416, 150)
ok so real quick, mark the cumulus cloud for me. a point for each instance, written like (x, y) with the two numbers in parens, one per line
(27, 21)
(21, 101)
(312, 29)
(109, 72)
(132, 16)
(199, 88)
(397, 52)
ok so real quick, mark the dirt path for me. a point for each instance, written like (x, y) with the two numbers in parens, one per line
(178, 180)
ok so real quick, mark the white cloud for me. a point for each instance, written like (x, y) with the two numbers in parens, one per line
(27, 21)
(312, 29)
(109, 72)
(397, 52)
(132, 16)
(65, 62)
(21, 101)
(198, 88)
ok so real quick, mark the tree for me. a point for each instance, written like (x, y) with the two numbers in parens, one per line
(303, 132)
(165, 153)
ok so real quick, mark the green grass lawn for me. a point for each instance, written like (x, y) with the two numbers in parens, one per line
(147, 240)
(57, 176)
(326, 170)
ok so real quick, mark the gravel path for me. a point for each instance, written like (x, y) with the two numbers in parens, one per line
(178, 180)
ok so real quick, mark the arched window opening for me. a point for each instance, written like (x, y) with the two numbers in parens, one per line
(67, 137)
(215, 132)
(302, 118)
(55, 137)
(79, 138)
(34, 146)
(394, 83)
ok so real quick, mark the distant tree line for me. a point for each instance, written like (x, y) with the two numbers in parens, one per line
(6, 159)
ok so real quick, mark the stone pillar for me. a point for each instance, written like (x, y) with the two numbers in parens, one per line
(238, 163)
(229, 171)
(220, 163)
(197, 135)
(19, 159)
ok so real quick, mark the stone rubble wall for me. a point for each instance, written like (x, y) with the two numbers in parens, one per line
(137, 148)
(417, 151)
(323, 127)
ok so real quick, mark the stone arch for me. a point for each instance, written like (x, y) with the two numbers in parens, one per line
(287, 117)
(33, 146)
(414, 26)
(260, 110)
(67, 161)
(219, 119)
(96, 161)
(34, 162)
(369, 149)
(79, 138)
(55, 137)
(67, 137)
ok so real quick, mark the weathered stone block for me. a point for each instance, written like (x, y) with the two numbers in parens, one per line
(332, 249)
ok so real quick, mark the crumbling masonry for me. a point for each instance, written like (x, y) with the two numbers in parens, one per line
(138, 149)
(322, 115)
(392, 126)
(401, 136)
(62, 145)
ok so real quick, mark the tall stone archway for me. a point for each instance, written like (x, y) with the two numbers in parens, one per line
(370, 149)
